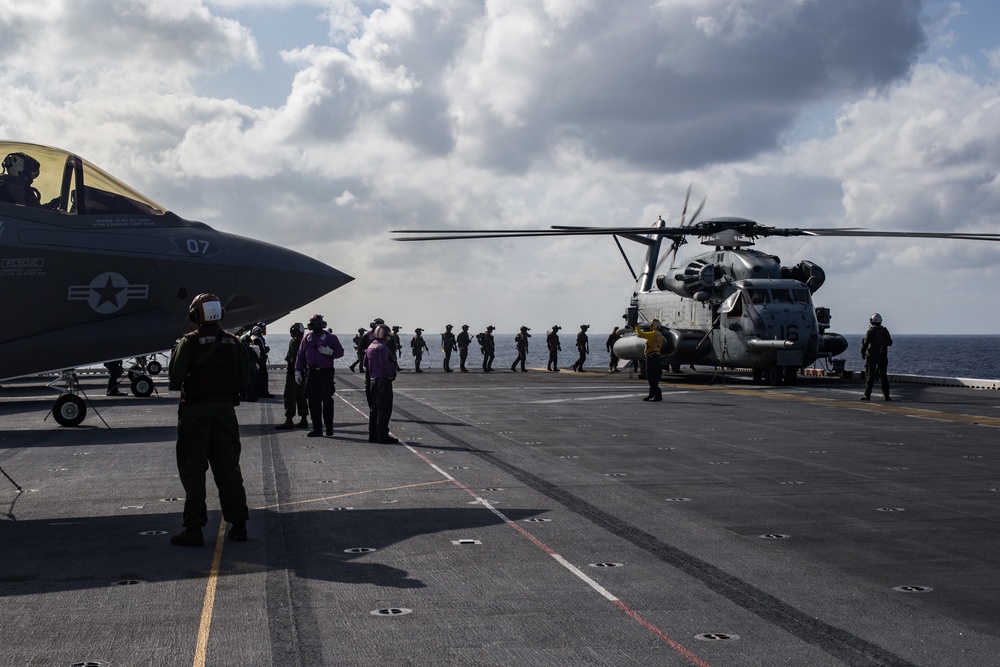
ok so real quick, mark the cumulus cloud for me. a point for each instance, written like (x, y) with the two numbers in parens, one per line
(524, 113)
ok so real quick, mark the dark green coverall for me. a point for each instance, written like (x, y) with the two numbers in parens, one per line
(875, 351)
(210, 376)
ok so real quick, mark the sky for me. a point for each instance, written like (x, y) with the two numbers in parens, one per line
(321, 125)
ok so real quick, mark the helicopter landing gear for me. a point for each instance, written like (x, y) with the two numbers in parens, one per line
(69, 410)
(142, 386)
(791, 375)
(772, 376)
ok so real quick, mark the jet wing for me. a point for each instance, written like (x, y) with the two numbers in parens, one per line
(94, 342)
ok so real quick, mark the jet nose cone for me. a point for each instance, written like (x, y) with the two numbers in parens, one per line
(280, 280)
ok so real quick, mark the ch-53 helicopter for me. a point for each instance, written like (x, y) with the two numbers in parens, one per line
(733, 307)
(93, 271)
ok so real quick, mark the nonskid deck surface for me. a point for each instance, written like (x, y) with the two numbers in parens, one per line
(526, 519)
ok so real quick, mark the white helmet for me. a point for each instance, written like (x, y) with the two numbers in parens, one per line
(875, 318)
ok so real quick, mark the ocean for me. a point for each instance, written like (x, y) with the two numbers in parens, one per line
(911, 354)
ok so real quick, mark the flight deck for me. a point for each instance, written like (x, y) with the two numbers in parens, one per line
(525, 519)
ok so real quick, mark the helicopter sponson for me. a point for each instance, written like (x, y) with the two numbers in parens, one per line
(691, 344)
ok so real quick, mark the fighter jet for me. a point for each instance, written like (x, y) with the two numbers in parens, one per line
(91, 270)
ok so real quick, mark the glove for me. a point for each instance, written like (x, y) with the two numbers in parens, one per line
(300, 377)
(324, 349)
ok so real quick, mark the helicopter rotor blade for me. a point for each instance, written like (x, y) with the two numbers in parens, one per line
(704, 229)
(449, 235)
(684, 210)
(966, 236)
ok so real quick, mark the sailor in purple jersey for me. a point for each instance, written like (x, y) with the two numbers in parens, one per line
(381, 369)
(314, 365)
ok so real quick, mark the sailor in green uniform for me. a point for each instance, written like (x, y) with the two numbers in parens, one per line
(875, 351)
(209, 366)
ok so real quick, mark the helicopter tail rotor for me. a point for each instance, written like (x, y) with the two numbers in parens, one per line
(678, 241)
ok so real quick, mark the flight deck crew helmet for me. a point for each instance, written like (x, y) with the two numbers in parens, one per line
(206, 308)
(22, 166)
(316, 323)
(381, 332)
(875, 318)
(256, 331)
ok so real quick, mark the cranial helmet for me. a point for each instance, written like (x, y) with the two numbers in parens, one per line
(381, 332)
(875, 318)
(206, 308)
(256, 331)
(316, 323)
(296, 328)
(21, 165)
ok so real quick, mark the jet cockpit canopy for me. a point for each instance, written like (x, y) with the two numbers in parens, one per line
(66, 183)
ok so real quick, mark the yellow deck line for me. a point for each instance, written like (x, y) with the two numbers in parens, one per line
(201, 648)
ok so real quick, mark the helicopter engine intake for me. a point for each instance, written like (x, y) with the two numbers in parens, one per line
(809, 273)
(697, 276)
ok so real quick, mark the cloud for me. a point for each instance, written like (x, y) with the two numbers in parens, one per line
(421, 114)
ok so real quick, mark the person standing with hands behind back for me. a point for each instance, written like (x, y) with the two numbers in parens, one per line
(209, 366)
(875, 351)
(314, 366)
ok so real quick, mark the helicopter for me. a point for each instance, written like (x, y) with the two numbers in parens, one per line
(93, 271)
(731, 307)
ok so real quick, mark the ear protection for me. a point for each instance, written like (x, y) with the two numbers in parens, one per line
(206, 308)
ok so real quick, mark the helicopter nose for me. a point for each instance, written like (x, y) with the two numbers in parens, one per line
(284, 279)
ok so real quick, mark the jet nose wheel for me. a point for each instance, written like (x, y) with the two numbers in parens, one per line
(69, 410)
(142, 386)
(154, 367)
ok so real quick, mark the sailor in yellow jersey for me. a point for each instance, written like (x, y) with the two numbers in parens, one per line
(654, 344)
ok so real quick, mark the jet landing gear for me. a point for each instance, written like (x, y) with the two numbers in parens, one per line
(69, 409)
(138, 374)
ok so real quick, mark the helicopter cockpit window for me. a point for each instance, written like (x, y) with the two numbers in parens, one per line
(781, 296)
(758, 296)
(801, 296)
(733, 305)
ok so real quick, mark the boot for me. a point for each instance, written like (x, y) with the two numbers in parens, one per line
(303, 423)
(286, 425)
(238, 533)
(190, 537)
